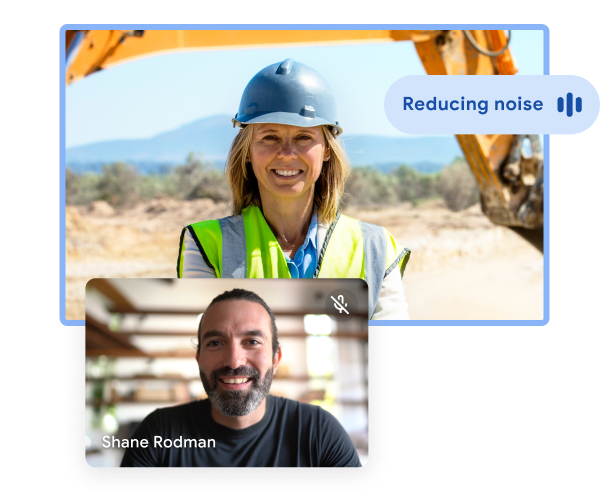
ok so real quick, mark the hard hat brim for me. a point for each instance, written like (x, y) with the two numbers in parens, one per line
(283, 118)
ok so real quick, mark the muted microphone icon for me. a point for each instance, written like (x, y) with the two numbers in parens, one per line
(340, 306)
(336, 304)
(578, 104)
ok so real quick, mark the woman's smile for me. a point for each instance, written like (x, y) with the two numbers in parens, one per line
(287, 174)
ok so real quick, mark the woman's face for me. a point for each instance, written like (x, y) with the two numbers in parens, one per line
(287, 160)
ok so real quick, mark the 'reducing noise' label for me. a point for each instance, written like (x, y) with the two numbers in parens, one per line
(492, 104)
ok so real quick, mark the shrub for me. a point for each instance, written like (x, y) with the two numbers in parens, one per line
(414, 186)
(369, 186)
(458, 186)
(150, 186)
(81, 189)
(196, 179)
(118, 184)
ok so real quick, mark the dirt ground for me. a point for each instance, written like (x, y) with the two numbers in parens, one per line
(462, 266)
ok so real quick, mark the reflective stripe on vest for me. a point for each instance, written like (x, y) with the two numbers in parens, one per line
(375, 256)
(351, 249)
(233, 250)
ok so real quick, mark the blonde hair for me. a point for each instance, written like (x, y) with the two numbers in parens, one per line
(329, 186)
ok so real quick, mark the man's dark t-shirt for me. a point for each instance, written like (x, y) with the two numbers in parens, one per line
(291, 434)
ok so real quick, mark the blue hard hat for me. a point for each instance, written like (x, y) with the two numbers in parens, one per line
(289, 93)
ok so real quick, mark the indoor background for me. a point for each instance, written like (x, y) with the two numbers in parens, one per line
(140, 349)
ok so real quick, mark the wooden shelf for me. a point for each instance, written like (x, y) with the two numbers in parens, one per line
(118, 351)
(107, 402)
(353, 403)
(143, 378)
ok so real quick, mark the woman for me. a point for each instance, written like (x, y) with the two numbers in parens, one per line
(287, 171)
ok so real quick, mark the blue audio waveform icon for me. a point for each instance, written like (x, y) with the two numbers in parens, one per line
(578, 104)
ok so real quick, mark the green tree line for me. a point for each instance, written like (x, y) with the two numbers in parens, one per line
(121, 185)
(455, 184)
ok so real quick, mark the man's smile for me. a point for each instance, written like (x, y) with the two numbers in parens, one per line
(234, 383)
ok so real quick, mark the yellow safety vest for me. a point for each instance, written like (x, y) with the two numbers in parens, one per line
(244, 246)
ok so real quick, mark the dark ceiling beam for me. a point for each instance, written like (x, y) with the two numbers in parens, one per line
(98, 333)
(97, 340)
(107, 289)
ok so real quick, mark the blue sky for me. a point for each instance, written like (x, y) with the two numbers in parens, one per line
(152, 95)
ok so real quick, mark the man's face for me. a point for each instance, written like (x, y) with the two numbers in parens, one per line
(236, 356)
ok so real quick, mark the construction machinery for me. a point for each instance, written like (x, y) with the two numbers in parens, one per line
(510, 180)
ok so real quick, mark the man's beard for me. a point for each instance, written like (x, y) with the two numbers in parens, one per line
(237, 403)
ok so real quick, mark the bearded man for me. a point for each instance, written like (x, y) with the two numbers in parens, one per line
(238, 353)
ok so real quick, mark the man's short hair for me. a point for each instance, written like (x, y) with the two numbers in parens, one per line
(240, 294)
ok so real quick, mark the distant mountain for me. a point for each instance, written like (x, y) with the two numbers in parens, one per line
(211, 138)
(369, 150)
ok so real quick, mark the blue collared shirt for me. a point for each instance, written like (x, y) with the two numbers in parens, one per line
(304, 263)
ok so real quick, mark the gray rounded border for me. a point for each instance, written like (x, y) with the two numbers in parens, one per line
(228, 481)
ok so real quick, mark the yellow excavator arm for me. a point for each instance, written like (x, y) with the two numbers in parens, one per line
(511, 184)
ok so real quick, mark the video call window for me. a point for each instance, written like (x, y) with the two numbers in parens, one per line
(173, 379)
